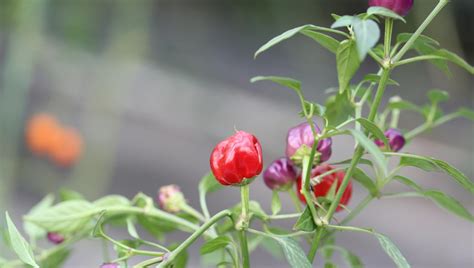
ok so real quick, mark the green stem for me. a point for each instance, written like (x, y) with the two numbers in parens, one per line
(244, 248)
(202, 229)
(284, 216)
(441, 4)
(314, 246)
(295, 199)
(357, 209)
(305, 186)
(388, 37)
(427, 126)
(272, 235)
(244, 218)
(418, 58)
(148, 262)
(191, 211)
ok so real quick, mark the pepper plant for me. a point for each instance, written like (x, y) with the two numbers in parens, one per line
(319, 187)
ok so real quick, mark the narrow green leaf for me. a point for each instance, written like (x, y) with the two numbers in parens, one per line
(65, 217)
(426, 49)
(272, 247)
(403, 105)
(276, 203)
(384, 12)
(132, 231)
(67, 194)
(209, 184)
(294, 254)
(324, 40)
(305, 222)
(374, 130)
(284, 81)
(437, 95)
(392, 251)
(432, 164)
(315, 108)
(347, 63)
(56, 259)
(339, 109)
(361, 177)
(408, 182)
(367, 35)
(369, 145)
(449, 203)
(215, 244)
(34, 231)
(421, 40)
(19, 244)
(111, 201)
(454, 58)
(466, 113)
(344, 21)
(330, 265)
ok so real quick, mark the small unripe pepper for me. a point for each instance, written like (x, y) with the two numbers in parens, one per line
(110, 265)
(55, 238)
(401, 7)
(322, 188)
(237, 159)
(300, 140)
(280, 175)
(396, 141)
(171, 198)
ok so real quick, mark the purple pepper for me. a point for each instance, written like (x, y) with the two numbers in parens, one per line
(280, 175)
(110, 265)
(401, 7)
(396, 141)
(55, 238)
(300, 140)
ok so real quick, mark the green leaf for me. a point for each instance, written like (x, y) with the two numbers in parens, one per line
(56, 259)
(375, 78)
(408, 182)
(437, 95)
(111, 201)
(347, 63)
(384, 12)
(369, 145)
(361, 177)
(449, 203)
(19, 244)
(66, 217)
(181, 260)
(374, 130)
(292, 32)
(67, 194)
(294, 254)
(315, 108)
(215, 244)
(392, 251)
(362, 161)
(367, 35)
(426, 49)
(276, 203)
(34, 231)
(454, 58)
(209, 184)
(132, 231)
(466, 113)
(420, 41)
(330, 265)
(344, 21)
(324, 40)
(305, 222)
(339, 108)
(432, 164)
(272, 247)
(397, 103)
(284, 81)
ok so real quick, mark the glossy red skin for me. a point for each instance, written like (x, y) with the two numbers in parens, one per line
(237, 158)
(321, 189)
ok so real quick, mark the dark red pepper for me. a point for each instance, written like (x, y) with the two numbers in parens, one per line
(402, 7)
(237, 159)
(322, 188)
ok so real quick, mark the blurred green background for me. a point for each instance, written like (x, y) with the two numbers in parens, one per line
(151, 86)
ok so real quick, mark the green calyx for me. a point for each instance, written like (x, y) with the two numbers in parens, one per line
(304, 151)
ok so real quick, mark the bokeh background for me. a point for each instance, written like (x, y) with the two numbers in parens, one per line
(152, 86)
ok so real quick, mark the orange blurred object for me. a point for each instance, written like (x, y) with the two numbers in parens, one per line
(41, 133)
(67, 147)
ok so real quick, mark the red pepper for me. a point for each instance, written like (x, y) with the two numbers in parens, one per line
(237, 159)
(322, 188)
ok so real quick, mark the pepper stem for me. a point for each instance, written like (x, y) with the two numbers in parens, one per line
(244, 218)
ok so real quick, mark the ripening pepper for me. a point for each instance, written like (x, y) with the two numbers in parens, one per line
(67, 147)
(401, 7)
(396, 141)
(41, 133)
(171, 198)
(55, 238)
(237, 159)
(322, 188)
(300, 140)
(280, 175)
(110, 265)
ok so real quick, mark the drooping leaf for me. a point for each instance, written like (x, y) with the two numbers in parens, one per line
(367, 35)
(284, 81)
(56, 259)
(294, 254)
(408, 182)
(397, 103)
(449, 203)
(432, 164)
(426, 49)
(19, 244)
(324, 40)
(314, 108)
(374, 130)
(65, 217)
(344, 21)
(34, 231)
(271, 246)
(361, 177)
(276, 203)
(209, 184)
(369, 145)
(348, 63)
(339, 108)
(421, 40)
(384, 12)
(305, 222)
(215, 244)
(437, 95)
(392, 251)
(132, 231)
(454, 58)
(111, 201)
(181, 260)
(466, 113)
